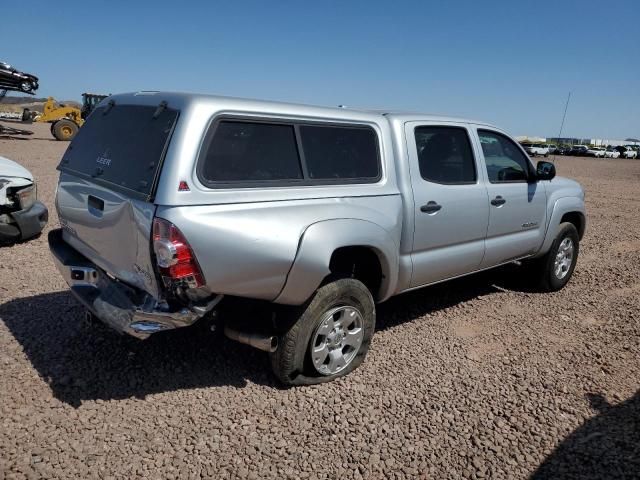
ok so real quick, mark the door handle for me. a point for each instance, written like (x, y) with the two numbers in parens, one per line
(430, 207)
(498, 201)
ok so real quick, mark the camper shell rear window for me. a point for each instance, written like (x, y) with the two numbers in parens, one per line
(122, 147)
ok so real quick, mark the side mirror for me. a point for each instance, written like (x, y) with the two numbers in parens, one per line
(545, 170)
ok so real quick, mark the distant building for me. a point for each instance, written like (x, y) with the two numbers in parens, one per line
(601, 142)
(526, 138)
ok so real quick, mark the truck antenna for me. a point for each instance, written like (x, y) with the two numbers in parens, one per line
(564, 115)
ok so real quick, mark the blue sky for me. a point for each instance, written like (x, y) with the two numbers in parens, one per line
(508, 62)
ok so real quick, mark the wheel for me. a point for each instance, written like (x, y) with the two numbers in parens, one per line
(553, 271)
(26, 115)
(330, 338)
(64, 130)
(546, 155)
(26, 86)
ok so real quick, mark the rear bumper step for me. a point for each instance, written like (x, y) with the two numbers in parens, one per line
(124, 308)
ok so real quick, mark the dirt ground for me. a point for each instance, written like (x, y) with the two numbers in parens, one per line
(475, 378)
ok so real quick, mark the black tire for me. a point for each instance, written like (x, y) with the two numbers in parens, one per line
(543, 269)
(64, 130)
(291, 362)
(26, 86)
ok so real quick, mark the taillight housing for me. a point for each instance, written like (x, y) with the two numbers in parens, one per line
(175, 259)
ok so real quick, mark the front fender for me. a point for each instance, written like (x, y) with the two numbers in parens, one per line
(317, 244)
(560, 207)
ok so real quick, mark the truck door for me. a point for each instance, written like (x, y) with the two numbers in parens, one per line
(450, 201)
(517, 203)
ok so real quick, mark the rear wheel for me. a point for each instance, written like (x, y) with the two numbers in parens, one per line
(331, 336)
(64, 130)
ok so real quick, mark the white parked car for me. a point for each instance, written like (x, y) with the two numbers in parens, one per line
(611, 153)
(21, 215)
(535, 149)
(597, 152)
(636, 149)
(627, 152)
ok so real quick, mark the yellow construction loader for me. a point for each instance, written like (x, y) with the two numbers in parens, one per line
(66, 120)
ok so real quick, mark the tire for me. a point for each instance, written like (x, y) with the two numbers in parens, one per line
(547, 275)
(26, 87)
(64, 130)
(345, 305)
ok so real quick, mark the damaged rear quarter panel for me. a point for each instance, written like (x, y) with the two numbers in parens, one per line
(247, 249)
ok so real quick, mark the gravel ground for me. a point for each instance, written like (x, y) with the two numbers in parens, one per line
(476, 378)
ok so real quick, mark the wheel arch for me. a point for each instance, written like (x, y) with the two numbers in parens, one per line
(577, 219)
(329, 247)
(565, 209)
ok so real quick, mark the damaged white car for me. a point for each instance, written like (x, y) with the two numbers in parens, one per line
(22, 216)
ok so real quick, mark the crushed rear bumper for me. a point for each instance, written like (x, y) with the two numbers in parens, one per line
(122, 307)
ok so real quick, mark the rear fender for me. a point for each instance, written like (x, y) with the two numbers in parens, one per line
(317, 244)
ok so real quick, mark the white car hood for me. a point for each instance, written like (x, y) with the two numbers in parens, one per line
(10, 169)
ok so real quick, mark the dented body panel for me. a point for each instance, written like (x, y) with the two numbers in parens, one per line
(21, 215)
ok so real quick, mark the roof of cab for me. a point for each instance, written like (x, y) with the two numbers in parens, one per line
(182, 99)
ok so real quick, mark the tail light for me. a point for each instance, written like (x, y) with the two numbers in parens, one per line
(176, 262)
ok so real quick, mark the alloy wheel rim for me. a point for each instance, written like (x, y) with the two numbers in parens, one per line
(564, 258)
(337, 340)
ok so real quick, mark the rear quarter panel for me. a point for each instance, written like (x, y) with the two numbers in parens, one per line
(248, 249)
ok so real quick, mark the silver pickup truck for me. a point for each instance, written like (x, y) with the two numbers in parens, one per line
(169, 202)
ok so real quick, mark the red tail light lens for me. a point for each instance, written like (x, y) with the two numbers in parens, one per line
(174, 256)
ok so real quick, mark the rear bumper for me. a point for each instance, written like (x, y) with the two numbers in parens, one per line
(29, 223)
(124, 308)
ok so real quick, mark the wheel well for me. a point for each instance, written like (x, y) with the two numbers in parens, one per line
(577, 219)
(361, 263)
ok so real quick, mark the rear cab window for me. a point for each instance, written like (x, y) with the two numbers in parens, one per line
(241, 153)
(445, 155)
(122, 147)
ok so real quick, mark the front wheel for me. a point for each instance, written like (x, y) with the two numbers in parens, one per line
(331, 336)
(553, 271)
